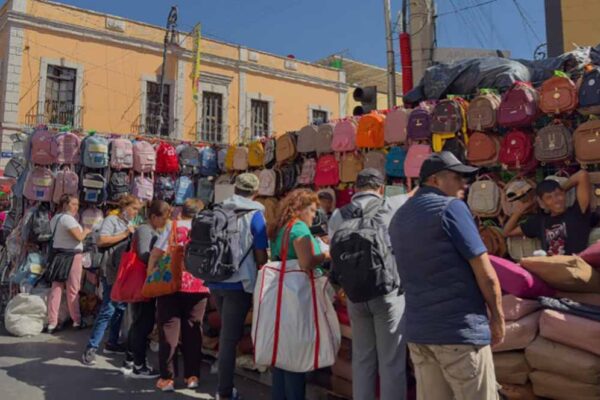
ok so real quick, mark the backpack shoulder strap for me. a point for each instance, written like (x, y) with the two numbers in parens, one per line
(351, 211)
(373, 207)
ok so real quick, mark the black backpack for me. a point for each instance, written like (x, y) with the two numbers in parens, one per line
(361, 256)
(164, 188)
(589, 92)
(213, 252)
(189, 160)
(39, 229)
(118, 185)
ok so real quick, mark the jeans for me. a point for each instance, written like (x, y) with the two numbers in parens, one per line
(233, 306)
(110, 312)
(288, 385)
(142, 315)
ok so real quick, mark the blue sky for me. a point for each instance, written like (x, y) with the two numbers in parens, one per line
(313, 29)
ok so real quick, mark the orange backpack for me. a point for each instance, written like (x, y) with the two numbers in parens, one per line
(370, 132)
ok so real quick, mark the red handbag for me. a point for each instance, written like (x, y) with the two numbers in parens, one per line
(130, 278)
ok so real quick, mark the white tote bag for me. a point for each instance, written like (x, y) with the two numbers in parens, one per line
(294, 324)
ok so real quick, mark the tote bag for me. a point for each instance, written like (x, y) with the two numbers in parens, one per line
(166, 277)
(130, 278)
(294, 324)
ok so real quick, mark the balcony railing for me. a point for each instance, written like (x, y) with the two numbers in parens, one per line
(55, 113)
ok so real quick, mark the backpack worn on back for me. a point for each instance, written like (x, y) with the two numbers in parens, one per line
(66, 148)
(553, 143)
(395, 125)
(119, 185)
(516, 150)
(309, 169)
(344, 136)
(416, 156)
(324, 138)
(94, 152)
(164, 188)
(362, 259)
(93, 188)
(166, 159)
(376, 159)
(240, 158)
(39, 185)
(144, 157)
(307, 139)
(350, 166)
(328, 173)
(213, 253)
(419, 124)
(484, 197)
(143, 188)
(256, 154)
(519, 106)
(285, 147)
(558, 95)
(209, 165)
(370, 131)
(65, 182)
(589, 93)
(483, 149)
(41, 147)
(121, 154)
(205, 190)
(586, 140)
(482, 112)
(189, 160)
(394, 164)
(184, 189)
(449, 116)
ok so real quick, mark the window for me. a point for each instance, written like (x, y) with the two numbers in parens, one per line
(259, 118)
(59, 103)
(212, 117)
(319, 116)
(153, 108)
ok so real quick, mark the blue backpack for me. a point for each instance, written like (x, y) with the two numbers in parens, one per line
(94, 152)
(208, 163)
(394, 163)
(164, 188)
(184, 189)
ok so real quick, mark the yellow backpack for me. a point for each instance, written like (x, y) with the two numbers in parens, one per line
(256, 154)
(229, 157)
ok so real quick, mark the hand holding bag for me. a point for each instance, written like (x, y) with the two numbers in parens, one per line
(166, 277)
(130, 278)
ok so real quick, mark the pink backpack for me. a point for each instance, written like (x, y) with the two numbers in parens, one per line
(41, 147)
(395, 126)
(143, 188)
(92, 217)
(66, 182)
(121, 154)
(268, 182)
(344, 136)
(309, 169)
(66, 148)
(39, 184)
(144, 157)
(328, 173)
(517, 281)
(417, 154)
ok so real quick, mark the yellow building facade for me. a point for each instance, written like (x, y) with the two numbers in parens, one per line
(64, 65)
(570, 23)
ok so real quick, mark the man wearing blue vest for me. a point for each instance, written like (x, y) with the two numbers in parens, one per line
(448, 281)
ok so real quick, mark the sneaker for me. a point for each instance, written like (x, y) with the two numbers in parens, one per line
(80, 325)
(192, 382)
(50, 329)
(144, 372)
(234, 396)
(127, 368)
(89, 356)
(165, 385)
(110, 348)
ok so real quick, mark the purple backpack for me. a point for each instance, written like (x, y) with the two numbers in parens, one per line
(419, 124)
(143, 188)
(39, 184)
(65, 148)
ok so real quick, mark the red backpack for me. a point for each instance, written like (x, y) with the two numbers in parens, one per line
(167, 161)
(516, 151)
(328, 172)
(519, 106)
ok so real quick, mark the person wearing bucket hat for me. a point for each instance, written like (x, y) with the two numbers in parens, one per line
(448, 282)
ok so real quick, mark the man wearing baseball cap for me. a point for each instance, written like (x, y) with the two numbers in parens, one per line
(375, 300)
(448, 281)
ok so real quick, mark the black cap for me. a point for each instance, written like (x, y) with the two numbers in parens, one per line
(444, 161)
(368, 177)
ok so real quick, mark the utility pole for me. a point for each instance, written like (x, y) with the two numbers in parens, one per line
(422, 36)
(170, 37)
(391, 67)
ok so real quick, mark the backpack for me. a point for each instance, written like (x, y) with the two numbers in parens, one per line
(184, 189)
(214, 251)
(361, 255)
(268, 182)
(307, 139)
(553, 143)
(456, 146)
(415, 157)
(589, 93)
(520, 247)
(93, 187)
(482, 112)
(449, 116)
(65, 182)
(144, 157)
(189, 160)
(309, 169)
(94, 152)
(558, 95)
(586, 140)
(119, 185)
(324, 138)
(507, 205)
(65, 148)
(376, 159)
(493, 239)
(143, 188)
(394, 163)
(205, 190)
(14, 168)
(224, 189)
(327, 173)
(595, 195)
(484, 197)
(166, 159)
(256, 154)
(285, 147)
(483, 149)
(370, 131)
(121, 154)
(41, 147)
(289, 177)
(343, 196)
(439, 140)
(240, 158)
(230, 158)
(344, 136)
(350, 166)
(270, 204)
(39, 229)
(419, 124)
(394, 190)
(516, 150)
(209, 165)
(270, 147)
(164, 188)
(39, 184)
(518, 107)
(394, 128)
(221, 157)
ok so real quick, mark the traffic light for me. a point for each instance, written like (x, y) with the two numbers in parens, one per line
(367, 96)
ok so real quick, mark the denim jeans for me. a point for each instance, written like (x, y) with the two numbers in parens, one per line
(110, 312)
(288, 385)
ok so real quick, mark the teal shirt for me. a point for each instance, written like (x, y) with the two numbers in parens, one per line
(299, 230)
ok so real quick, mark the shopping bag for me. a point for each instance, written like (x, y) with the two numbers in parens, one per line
(166, 277)
(130, 278)
(294, 324)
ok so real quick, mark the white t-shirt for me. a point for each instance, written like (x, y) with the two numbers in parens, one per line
(62, 237)
(162, 242)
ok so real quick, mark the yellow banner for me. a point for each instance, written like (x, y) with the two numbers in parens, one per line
(196, 70)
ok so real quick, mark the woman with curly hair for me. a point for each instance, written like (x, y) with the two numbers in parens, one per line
(295, 215)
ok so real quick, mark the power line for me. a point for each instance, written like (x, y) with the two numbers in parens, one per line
(458, 10)
(526, 20)
(465, 22)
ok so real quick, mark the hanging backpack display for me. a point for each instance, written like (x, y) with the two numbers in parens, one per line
(119, 185)
(375, 159)
(189, 160)
(307, 139)
(394, 164)
(521, 247)
(268, 183)
(483, 149)
(558, 95)
(589, 92)
(516, 151)
(121, 154)
(164, 188)
(184, 189)
(41, 147)
(324, 138)
(93, 188)
(327, 173)
(205, 190)
(230, 158)
(166, 159)
(309, 169)
(94, 152)
(39, 224)
(224, 189)
(394, 128)
(65, 148)
(448, 116)
(144, 157)
(553, 143)
(270, 147)
(256, 154)
(39, 184)
(285, 147)
(370, 131)
(484, 197)
(240, 158)
(419, 123)
(209, 165)
(586, 140)
(416, 156)
(92, 217)
(344, 136)
(350, 165)
(482, 112)
(65, 182)
(519, 106)
(221, 158)
(143, 188)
